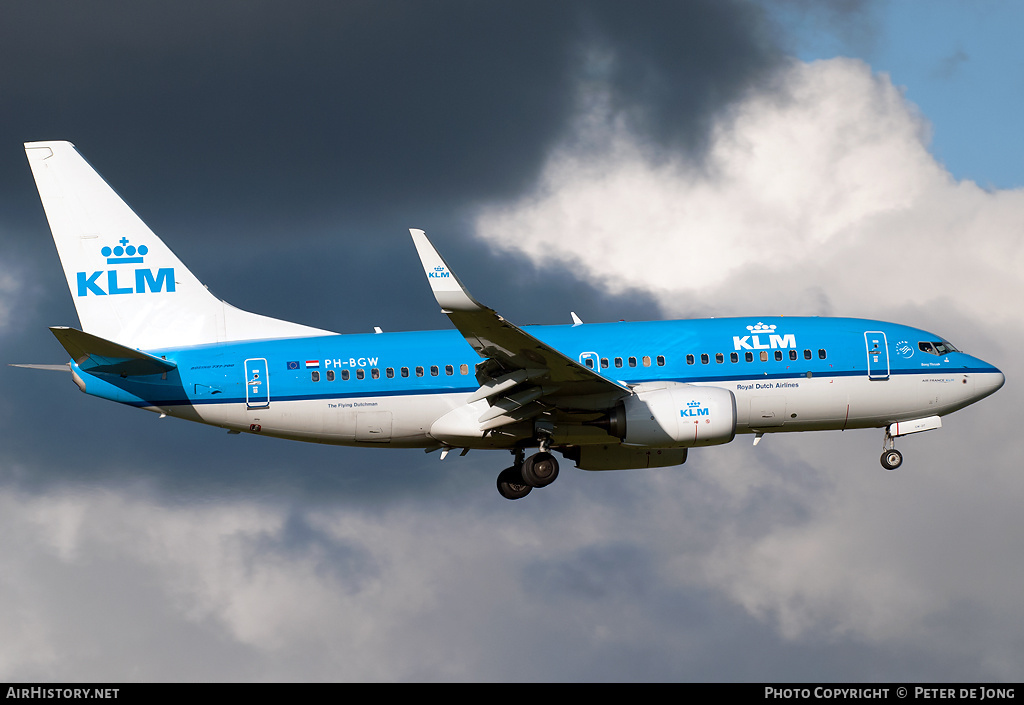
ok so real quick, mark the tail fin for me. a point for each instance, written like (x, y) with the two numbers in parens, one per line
(127, 285)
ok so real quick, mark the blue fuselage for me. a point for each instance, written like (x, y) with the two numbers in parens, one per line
(814, 373)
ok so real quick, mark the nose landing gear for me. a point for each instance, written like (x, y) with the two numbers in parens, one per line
(891, 458)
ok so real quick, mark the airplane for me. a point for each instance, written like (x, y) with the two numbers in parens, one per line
(605, 396)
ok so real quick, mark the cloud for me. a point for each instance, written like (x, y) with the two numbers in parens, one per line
(818, 196)
(826, 179)
(116, 585)
(802, 189)
(950, 65)
(9, 286)
(609, 575)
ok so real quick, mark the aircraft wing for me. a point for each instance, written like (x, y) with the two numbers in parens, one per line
(529, 374)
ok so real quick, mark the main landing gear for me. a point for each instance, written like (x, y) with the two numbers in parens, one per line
(539, 470)
(891, 458)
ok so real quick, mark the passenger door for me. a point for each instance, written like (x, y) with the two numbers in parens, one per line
(878, 354)
(257, 383)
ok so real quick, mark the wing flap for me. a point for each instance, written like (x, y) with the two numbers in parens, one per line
(521, 414)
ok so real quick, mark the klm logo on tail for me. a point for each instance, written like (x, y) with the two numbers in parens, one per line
(142, 281)
(438, 273)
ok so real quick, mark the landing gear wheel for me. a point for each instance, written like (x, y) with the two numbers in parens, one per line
(892, 459)
(540, 470)
(511, 485)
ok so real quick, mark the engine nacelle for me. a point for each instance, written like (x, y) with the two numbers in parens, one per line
(667, 414)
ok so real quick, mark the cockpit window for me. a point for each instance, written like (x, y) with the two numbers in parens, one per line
(936, 347)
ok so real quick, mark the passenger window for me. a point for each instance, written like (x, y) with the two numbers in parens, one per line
(821, 353)
(604, 363)
(749, 356)
(360, 373)
(464, 369)
(618, 362)
(316, 376)
(375, 373)
(433, 370)
(689, 359)
(792, 354)
(719, 358)
(330, 375)
(734, 357)
(404, 372)
(661, 360)
(807, 354)
(632, 362)
(390, 372)
(778, 356)
(764, 356)
(704, 359)
(449, 370)
(589, 362)
(647, 360)
(344, 375)
(419, 370)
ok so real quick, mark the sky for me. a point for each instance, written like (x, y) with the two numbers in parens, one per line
(631, 161)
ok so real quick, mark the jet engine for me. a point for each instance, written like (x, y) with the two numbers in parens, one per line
(667, 414)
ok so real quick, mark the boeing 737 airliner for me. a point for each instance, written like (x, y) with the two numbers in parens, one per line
(606, 396)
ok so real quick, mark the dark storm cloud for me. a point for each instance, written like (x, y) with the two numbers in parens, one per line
(283, 149)
(361, 105)
(673, 65)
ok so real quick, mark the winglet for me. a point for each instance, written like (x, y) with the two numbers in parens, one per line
(450, 293)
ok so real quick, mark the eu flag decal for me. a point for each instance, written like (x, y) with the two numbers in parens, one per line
(293, 365)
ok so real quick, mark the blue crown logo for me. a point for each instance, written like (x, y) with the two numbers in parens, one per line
(124, 253)
(761, 328)
(693, 404)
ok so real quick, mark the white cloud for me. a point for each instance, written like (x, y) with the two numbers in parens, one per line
(111, 585)
(606, 575)
(822, 190)
(820, 197)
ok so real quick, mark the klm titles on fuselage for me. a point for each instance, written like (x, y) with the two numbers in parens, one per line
(753, 341)
(144, 279)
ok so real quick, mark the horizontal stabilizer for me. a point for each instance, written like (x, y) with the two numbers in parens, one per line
(51, 368)
(95, 354)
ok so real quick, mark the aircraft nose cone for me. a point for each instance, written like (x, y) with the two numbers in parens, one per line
(988, 382)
